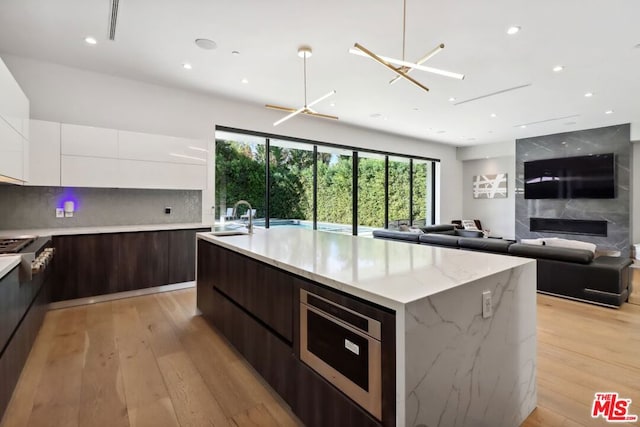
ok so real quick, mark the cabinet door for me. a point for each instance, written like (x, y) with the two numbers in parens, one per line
(85, 266)
(89, 141)
(147, 174)
(263, 291)
(14, 104)
(79, 171)
(142, 260)
(44, 153)
(182, 255)
(11, 154)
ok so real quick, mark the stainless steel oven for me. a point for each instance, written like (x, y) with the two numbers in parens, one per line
(344, 347)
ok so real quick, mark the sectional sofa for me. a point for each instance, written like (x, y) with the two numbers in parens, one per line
(565, 272)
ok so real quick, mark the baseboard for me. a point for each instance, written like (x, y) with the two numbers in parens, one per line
(119, 295)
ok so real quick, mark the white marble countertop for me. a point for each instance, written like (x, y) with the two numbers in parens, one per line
(102, 229)
(388, 273)
(7, 262)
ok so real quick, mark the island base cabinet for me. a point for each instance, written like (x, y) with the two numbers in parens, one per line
(316, 402)
(267, 353)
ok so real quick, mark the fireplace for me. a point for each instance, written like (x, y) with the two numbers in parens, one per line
(568, 226)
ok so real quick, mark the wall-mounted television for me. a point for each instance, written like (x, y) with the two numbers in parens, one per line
(583, 177)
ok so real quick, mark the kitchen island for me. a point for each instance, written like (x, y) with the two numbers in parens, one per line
(449, 364)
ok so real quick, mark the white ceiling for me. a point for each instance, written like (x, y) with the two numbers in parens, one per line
(595, 40)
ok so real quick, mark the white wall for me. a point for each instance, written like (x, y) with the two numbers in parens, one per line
(497, 215)
(70, 95)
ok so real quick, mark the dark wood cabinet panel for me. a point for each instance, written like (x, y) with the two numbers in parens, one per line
(271, 356)
(142, 260)
(265, 292)
(99, 264)
(14, 355)
(182, 255)
(204, 282)
(85, 265)
(320, 404)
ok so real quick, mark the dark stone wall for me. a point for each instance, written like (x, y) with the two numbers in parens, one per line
(612, 139)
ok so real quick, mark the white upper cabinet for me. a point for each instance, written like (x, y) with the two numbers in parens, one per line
(44, 149)
(14, 128)
(89, 141)
(160, 148)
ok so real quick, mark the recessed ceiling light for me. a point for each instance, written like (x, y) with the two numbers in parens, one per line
(245, 80)
(588, 95)
(90, 40)
(570, 123)
(235, 52)
(452, 99)
(513, 30)
(564, 143)
(471, 139)
(206, 44)
(494, 115)
(416, 109)
(333, 104)
(442, 131)
(609, 112)
(637, 46)
(187, 66)
(375, 115)
(558, 68)
(523, 126)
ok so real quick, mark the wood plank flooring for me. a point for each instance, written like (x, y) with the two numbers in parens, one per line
(150, 361)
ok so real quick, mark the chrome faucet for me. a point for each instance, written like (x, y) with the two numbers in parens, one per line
(235, 208)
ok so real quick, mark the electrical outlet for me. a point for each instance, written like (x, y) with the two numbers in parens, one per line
(167, 210)
(487, 309)
(59, 213)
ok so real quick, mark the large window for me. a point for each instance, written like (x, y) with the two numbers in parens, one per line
(291, 181)
(399, 192)
(240, 173)
(371, 191)
(335, 189)
(322, 186)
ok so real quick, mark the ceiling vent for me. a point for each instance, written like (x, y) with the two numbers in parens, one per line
(113, 19)
(553, 119)
(499, 92)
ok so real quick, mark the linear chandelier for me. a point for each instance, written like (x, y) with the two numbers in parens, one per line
(304, 52)
(401, 67)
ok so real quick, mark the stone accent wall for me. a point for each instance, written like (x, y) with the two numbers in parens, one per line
(612, 139)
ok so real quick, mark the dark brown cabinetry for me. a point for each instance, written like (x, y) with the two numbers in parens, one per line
(31, 308)
(85, 266)
(98, 264)
(256, 307)
(143, 260)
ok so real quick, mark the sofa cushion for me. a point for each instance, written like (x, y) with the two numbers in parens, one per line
(572, 244)
(482, 244)
(439, 239)
(406, 236)
(469, 233)
(579, 256)
(438, 228)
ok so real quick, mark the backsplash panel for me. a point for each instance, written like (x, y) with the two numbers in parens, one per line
(612, 139)
(34, 207)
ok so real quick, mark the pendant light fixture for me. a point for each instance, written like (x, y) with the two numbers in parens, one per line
(304, 52)
(401, 67)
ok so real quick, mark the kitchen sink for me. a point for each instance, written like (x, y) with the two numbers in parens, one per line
(223, 233)
(229, 230)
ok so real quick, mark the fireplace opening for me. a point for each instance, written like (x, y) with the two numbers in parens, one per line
(568, 226)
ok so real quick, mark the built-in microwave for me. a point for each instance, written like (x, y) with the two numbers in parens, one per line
(344, 347)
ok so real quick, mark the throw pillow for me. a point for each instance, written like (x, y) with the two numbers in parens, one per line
(571, 244)
(539, 242)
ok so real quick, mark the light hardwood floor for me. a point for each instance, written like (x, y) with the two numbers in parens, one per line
(150, 361)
